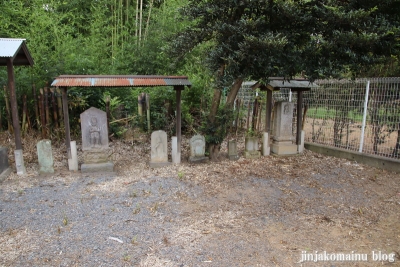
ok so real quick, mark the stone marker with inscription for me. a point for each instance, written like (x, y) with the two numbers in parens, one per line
(159, 149)
(197, 149)
(45, 156)
(232, 150)
(282, 131)
(96, 151)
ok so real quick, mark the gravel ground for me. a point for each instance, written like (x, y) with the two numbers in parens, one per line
(263, 212)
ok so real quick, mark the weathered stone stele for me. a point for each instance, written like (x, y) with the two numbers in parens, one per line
(159, 149)
(96, 152)
(45, 156)
(251, 148)
(5, 169)
(282, 130)
(94, 129)
(197, 149)
(232, 150)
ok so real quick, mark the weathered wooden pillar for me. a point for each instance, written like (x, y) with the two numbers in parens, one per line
(19, 160)
(299, 116)
(66, 121)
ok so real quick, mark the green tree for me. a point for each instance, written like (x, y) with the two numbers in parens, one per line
(260, 39)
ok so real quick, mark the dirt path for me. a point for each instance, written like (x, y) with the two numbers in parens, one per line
(265, 212)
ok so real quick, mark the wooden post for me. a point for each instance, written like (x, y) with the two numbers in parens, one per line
(178, 90)
(59, 105)
(299, 116)
(14, 107)
(268, 111)
(108, 115)
(66, 122)
(148, 112)
(54, 105)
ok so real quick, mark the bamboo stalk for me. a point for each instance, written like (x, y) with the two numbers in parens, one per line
(42, 114)
(148, 20)
(36, 104)
(24, 112)
(6, 99)
(46, 106)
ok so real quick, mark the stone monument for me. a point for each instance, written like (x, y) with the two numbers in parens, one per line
(232, 150)
(197, 149)
(5, 169)
(159, 149)
(251, 148)
(95, 148)
(282, 130)
(45, 156)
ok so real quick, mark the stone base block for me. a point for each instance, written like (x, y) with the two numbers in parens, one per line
(96, 156)
(284, 149)
(5, 174)
(159, 164)
(252, 154)
(97, 167)
(198, 159)
(46, 169)
(233, 157)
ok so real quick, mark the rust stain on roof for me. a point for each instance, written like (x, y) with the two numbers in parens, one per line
(119, 81)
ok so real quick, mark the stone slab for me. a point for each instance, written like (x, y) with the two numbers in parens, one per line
(94, 129)
(232, 150)
(266, 148)
(45, 156)
(97, 167)
(159, 164)
(284, 149)
(198, 159)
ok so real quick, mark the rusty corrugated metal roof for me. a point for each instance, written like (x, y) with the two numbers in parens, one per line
(119, 81)
(15, 49)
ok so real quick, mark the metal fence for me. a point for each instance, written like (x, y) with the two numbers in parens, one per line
(359, 115)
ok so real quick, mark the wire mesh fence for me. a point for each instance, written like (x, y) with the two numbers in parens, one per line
(359, 115)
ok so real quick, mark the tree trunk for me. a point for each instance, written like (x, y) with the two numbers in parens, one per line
(215, 148)
(6, 99)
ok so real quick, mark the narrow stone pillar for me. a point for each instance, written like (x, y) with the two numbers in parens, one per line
(266, 149)
(176, 157)
(300, 147)
(19, 162)
(73, 161)
(45, 156)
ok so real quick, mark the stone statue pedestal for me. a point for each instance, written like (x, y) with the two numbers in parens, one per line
(282, 131)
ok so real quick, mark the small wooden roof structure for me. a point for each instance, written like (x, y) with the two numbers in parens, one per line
(278, 83)
(14, 52)
(65, 81)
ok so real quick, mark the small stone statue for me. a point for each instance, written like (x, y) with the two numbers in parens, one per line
(94, 131)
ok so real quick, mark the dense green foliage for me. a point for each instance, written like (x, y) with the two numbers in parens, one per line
(214, 42)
